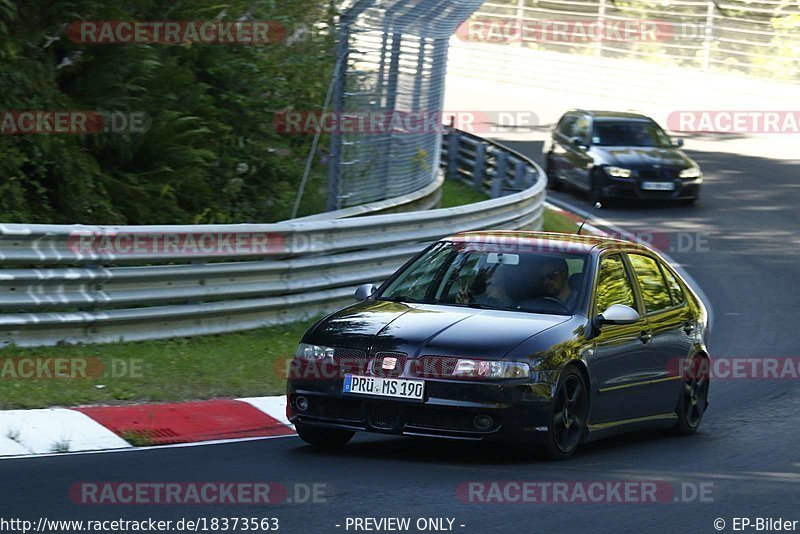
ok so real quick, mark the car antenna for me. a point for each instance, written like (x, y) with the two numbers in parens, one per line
(596, 206)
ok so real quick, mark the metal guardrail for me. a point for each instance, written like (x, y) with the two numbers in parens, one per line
(92, 284)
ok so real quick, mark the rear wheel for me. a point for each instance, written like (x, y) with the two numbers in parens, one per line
(570, 416)
(693, 401)
(329, 438)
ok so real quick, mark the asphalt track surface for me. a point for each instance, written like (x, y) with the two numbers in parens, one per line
(748, 229)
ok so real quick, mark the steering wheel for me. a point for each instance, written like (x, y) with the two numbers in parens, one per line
(561, 304)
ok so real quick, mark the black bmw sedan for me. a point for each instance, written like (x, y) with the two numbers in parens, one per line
(626, 155)
(543, 340)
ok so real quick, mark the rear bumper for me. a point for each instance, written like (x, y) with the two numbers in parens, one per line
(518, 410)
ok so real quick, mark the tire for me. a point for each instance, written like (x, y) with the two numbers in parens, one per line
(327, 438)
(553, 183)
(567, 428)
(693, 400)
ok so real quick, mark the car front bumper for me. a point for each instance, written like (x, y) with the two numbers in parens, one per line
(632, 188)
(519, 410)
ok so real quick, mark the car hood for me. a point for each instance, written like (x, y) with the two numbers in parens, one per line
(421, 329)
(638, 157)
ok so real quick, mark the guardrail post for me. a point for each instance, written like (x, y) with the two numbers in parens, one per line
(479, 172)
(500, 171)
(519, 175)
(453, 138)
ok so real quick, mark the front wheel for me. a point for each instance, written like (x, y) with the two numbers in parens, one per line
(570, 416)
(693, 402)
(329, 438)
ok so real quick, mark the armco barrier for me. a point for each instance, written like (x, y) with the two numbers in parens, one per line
(94, 284)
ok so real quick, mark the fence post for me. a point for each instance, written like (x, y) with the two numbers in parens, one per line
(520, 169)
(500, 171)
(709, 36)
(337, 107)
(452, 152)
(479, 172)
(601, 23)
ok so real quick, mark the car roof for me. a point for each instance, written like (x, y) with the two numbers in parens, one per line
(549, 241)
(601, 114)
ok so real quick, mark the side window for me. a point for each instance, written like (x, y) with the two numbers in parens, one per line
(651, 281)
(581, 129)
(674, 287)
(566, 124)
(613, 286)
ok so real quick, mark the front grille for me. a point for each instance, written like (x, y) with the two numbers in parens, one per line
(435, 366)
(650, 175)
(389, 364)
(384, 416)
(350, 360)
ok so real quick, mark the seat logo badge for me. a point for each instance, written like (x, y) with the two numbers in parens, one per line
(389, 363)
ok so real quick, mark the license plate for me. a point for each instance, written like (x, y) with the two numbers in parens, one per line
(384, 387)
(658, 186)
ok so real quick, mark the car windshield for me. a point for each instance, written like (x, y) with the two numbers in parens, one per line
(492, 277)
(630, 133)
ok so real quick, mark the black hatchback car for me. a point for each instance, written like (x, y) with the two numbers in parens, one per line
(543, 340)
(626, 155)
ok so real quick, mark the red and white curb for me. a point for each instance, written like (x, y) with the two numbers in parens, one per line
(95, 428)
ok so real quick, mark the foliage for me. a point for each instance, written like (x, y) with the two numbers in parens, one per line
(210, 155)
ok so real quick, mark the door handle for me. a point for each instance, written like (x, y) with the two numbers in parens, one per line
(688, 328)
(645, 337)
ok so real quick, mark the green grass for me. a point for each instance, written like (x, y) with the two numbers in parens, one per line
(217, 366)
(555, 221)
(458, 193)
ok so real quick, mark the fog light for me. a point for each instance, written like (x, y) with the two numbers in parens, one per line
(483, 422)
(301, 403)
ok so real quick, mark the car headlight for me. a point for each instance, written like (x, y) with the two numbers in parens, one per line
(490, 369)
(313, 352)
(691, 172)
(619, 172)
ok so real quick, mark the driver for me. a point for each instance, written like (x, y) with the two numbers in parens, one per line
(554, 274)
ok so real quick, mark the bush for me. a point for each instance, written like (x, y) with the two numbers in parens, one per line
(211, 154)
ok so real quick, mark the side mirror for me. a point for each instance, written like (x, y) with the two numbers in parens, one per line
(677, 143)
(617, 314)
(364, 292)
(579, 142)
